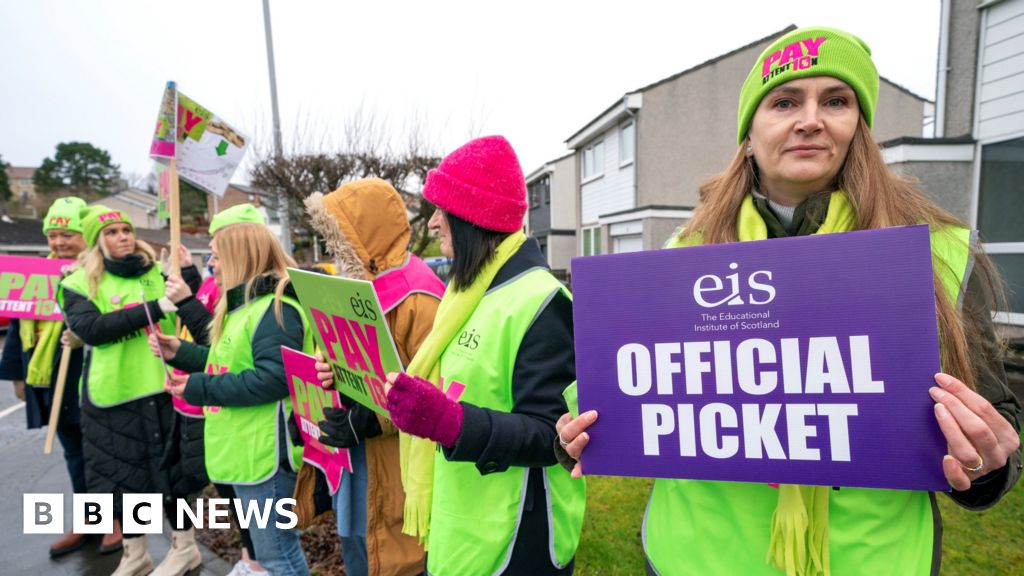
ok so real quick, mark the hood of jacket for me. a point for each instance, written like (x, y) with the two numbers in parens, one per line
(365, 226)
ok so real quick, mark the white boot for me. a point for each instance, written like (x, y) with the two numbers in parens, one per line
(135, 559)
(183, 556)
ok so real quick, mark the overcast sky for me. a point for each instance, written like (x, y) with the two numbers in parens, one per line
(536, 72)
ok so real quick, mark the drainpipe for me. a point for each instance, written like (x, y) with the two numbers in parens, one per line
(636, 163)
(943, 72)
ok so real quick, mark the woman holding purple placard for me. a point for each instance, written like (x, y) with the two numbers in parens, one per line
(807, 164)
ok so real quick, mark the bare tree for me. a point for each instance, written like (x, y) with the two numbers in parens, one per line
(313, 163)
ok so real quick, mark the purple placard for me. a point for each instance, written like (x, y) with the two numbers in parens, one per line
(850, 319)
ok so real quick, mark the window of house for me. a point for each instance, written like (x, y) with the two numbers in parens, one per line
(592, 241)
(593, 160)
(540, 191)
(534, 190)
(1001, 218)
(627, 142)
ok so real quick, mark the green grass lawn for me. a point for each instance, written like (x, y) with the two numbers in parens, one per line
(983, 543)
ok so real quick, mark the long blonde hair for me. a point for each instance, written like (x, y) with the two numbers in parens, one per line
(91, 261)
(246, 251)
(880, 198)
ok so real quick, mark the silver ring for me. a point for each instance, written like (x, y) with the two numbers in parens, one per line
(561, 442)
(981, 464)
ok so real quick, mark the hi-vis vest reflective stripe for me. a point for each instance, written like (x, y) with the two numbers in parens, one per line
(241, 442)
(125, 370)
(701, 527)
(474, 518)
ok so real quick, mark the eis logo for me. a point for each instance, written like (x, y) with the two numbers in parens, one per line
(754, 288)
(469, 339)
(362, 308)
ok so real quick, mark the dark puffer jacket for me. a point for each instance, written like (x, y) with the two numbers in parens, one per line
(125, 445)
(185, 446)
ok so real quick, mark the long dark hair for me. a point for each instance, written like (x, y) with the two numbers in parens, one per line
(472, 247)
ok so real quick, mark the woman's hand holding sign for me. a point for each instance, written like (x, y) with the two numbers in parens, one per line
(573, 438)
(980, 440)
(175, 385)
(323, 372)
(164, 345)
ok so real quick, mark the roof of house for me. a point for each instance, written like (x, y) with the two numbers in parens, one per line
(543, 167)
(920, 140)
(717, 59)
(21, 231)
(704, 64)
(246, 189)
(20, 172)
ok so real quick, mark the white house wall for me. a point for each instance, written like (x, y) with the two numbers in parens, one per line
(563, 194)
(1001, 101)
(612, 192)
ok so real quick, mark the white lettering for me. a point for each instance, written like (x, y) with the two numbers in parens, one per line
(636, 356)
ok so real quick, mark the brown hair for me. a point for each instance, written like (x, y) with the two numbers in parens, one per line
(880, 198)
(246, 251)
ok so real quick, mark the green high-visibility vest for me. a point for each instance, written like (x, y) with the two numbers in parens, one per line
(124, 370)
(241, 442)
(704, 527)
(474, 517)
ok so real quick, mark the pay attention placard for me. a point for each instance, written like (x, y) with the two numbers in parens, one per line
(308, 403)
(352, 333)
(28, 287)
(798, 360)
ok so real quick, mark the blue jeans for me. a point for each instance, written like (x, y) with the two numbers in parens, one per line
(353, 555)
(350, 512)
(279, 551)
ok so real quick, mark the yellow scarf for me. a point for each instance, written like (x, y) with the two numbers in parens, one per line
(799, 540)
(44, 348)
(417, 454)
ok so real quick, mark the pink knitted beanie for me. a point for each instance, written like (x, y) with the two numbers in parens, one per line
(481, 182)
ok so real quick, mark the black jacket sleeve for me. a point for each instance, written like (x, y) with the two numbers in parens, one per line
(190, 274)
(987, 362)
(196, 318)
(190, 357)
(12, 363)
(95, 329)
(545, 365)
(265, 382)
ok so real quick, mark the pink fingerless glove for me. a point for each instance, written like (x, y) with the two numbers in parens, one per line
(417, 407)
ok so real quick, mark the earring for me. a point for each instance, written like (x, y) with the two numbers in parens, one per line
(750, 149)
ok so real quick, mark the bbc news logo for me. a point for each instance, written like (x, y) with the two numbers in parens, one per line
(144, 513)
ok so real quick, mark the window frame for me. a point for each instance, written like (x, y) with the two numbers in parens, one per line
(597, 159)
(1012, 248)
(623, 162)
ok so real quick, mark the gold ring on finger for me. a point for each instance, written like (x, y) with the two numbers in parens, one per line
(981, 464)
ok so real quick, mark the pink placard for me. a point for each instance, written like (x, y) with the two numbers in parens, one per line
(308, 402)
(28, 287)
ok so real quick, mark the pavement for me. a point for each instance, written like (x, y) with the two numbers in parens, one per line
(24, 468)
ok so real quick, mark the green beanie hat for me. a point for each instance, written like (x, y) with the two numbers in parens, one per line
(64, 215)
(96, 218)
(236, 215)
(811, 52)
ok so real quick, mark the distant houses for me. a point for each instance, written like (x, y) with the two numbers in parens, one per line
(633, 172)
